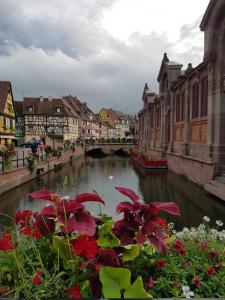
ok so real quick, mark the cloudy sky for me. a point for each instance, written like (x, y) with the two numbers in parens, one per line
(102, 51)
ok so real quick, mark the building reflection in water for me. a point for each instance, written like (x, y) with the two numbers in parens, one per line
(89, 174)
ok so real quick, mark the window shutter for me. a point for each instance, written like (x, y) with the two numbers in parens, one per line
(195, 100)
(204, 96)
(182, 105)
(178, 108)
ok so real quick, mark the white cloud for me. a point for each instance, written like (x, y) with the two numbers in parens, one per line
(56, 48)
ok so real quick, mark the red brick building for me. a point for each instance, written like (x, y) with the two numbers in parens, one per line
(185, 122)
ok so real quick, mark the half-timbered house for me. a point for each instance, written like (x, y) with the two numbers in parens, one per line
(7, 113)
(51, 120)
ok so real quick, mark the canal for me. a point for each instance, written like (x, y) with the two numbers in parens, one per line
(103, 174)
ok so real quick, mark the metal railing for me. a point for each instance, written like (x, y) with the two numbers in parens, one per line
(20, 159)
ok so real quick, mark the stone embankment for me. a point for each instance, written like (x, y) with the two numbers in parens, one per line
(14, 178)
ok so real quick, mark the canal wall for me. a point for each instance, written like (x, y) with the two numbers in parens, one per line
(200, 172)
(14, 178)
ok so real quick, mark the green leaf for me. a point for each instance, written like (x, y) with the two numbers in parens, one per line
(60, 245)
(136, 290)
(130, 252)
(106, 228)
(114, 280)
(108, 241)
(149, 249)
(106, 238)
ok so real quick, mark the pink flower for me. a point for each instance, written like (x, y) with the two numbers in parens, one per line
(196, 281)
(151, 282)
(186, 264)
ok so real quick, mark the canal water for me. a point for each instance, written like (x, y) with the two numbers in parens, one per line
(104, 174)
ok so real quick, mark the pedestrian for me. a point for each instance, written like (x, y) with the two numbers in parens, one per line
(41, 147)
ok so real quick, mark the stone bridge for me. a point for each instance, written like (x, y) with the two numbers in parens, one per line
(109, 148)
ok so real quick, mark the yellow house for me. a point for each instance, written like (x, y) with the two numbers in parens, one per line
(108, 115)
(7, 113)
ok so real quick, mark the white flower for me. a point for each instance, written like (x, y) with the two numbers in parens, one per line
(219, 223)
(187, 292)
(110, 177)
(206, 219)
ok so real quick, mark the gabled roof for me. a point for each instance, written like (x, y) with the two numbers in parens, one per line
(18, 108)
(46, 106)
(5, 87)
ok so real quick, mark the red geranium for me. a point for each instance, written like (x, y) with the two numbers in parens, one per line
(37, 279)
(6, 242)
(84, 246)
(160, 264)
(210, 271)
(205, 245)
(213, 254)
(196, 281)
(180, 247)
(74, 291)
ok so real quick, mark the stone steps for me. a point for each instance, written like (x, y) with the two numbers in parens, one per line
(217, 187)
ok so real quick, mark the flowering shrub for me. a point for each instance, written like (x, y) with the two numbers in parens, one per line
(64, 251)
(32, 160)
(8, 153)
(48, 150)
(57, 152)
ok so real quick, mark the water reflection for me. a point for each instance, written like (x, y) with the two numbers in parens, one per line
(88, 174)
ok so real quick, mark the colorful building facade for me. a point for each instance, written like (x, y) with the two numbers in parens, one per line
(7, 113)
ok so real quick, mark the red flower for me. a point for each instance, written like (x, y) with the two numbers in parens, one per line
(210, 271)
(37, 279)
(196, 241)
(160, 264)
(180, 247)
(6, 242)
(84, 246)
(205, 245)
(213, 254)
(196, 281)
(186, 264)
(163, 225)
(151, 282)
(181, 251)
(74, 291)
(179, 244)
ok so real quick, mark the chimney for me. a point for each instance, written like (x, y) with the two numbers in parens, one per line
(50, 98)
(41, 98)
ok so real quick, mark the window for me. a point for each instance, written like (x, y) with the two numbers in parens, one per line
(177, 108)
(11, 124)
(30, 108)
(204, 96)
(152, 119)
(182, 106)
(195, 100)
(158, 116)
(58, 109)
(4, 122)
